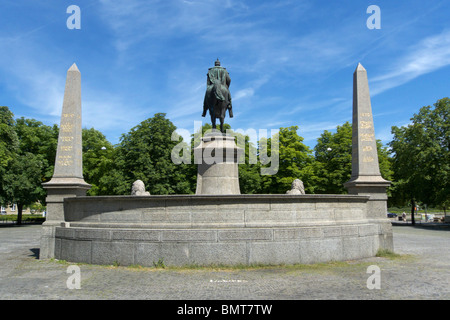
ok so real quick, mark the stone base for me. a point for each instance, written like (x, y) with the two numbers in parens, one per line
(217, 157)
(374, 187)
(213, 246)
(368, 185)
(212, 230)
(57, 190)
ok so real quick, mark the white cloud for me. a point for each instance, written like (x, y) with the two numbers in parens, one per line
(426, 56)
(244, 93)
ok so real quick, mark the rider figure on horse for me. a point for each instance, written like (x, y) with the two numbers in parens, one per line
(217, 97)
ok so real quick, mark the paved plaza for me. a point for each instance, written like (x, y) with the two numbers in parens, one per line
(422, 271)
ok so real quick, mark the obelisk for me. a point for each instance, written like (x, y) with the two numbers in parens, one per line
(365, 167)
(67, 180)
(69, 160)
(366, 178)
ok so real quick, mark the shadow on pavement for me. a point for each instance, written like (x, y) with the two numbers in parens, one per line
(34, 253)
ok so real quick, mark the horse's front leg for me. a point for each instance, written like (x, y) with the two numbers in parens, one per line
(221, 125)
(213, 121)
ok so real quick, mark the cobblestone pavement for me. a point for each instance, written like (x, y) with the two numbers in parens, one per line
(421, 272)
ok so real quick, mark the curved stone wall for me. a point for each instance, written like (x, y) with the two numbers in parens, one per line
(205, 230)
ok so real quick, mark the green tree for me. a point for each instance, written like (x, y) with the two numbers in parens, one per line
(333, 155)
(250, 177)
(40, 140)
(9, 142)
(22, 182)
(98, 162)
(32, 165)
(421, 156)
(9, 146)
(295, 161)
(145, 154)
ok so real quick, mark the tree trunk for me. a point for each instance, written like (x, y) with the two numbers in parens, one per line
(413, 208)
(19, 213)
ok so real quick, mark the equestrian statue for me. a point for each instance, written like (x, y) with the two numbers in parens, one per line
(217, 96)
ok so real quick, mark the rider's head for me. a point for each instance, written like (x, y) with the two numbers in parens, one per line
(217, 63)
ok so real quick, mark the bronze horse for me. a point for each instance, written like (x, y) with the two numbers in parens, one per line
(217, 97)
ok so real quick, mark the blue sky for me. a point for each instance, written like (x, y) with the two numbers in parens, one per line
(291, 62)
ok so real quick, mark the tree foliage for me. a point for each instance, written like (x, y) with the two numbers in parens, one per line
(333, 155)
(333, 160)
(40, 140)
(9, 141)
(31, 163)
(98, 162)
(421, 156)
(295, 161)
(145, 154)
(23, 182)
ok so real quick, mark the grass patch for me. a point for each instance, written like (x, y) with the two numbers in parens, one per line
(324, 267)
(386, 253)
(59, 261)
(316, 267)
(159, 264)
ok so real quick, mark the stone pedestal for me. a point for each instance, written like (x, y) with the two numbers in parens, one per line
(366, 178)
(217, 158)
(57, 191)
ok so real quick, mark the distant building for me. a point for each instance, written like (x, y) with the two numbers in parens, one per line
(12, 209)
